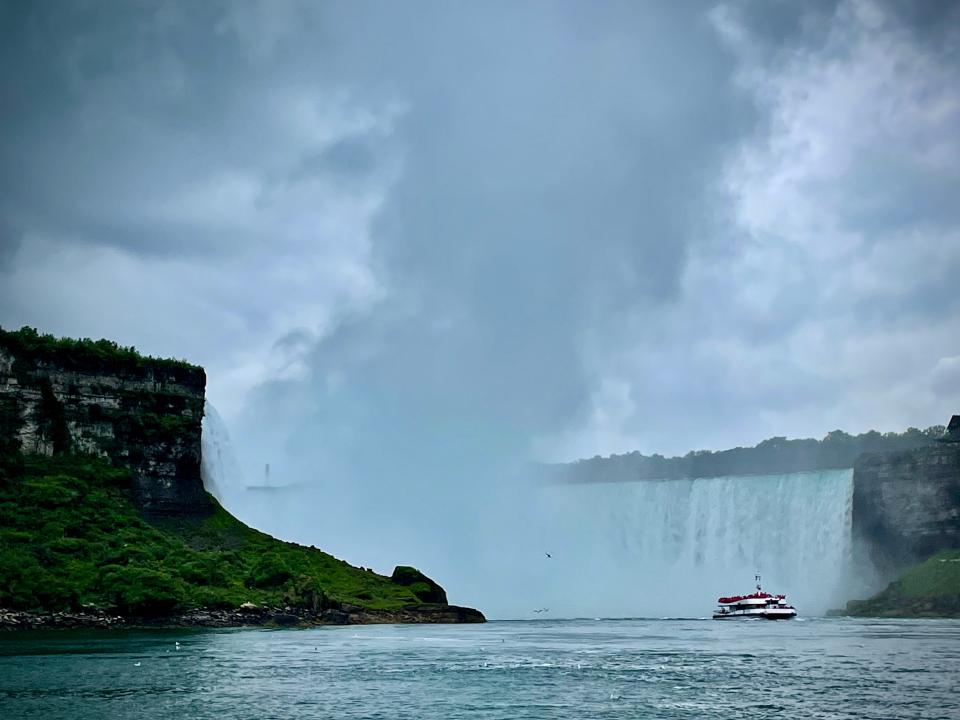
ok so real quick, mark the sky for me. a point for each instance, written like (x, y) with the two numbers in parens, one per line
(409, 241)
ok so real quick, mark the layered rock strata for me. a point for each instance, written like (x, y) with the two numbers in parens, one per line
(906, 505)
(145, 416)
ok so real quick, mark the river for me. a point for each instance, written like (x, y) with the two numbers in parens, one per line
(810, 668)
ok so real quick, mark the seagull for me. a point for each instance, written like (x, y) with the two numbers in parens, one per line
(136, 664)
(541, 610)
(548, 555)
(177, 643)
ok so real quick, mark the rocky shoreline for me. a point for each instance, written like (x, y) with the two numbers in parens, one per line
(247, 616)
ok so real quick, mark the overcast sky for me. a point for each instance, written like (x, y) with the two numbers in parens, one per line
(539, 230)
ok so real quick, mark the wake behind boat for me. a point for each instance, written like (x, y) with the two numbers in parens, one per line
(758, 604)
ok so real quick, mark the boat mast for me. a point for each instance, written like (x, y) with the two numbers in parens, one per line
(757, 578)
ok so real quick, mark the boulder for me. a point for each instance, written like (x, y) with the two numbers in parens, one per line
(283, 618)
(335, 617)
(424, 588)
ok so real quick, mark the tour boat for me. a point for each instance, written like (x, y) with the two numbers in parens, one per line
(758, 604)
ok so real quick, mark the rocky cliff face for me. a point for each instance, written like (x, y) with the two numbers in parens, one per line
(906, 505)
(141, 414)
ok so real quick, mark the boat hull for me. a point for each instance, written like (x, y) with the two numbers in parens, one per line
(756, 615)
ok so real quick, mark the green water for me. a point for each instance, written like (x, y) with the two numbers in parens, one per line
(812, 668)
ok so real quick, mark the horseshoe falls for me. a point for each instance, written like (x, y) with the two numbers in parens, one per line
(671, 547)
(648, 548)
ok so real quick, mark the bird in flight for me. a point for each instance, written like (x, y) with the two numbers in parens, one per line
(548, 555)
(542, 610)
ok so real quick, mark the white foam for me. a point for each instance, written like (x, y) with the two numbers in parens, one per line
(672, 547)
(219, 467)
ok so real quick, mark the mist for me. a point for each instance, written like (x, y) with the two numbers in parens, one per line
(524, 545)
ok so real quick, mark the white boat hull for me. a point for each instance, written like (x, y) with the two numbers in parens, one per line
(761, 613)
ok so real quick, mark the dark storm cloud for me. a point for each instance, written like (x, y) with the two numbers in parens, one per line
(10, 239)
(935, 22)
(347, 157)
(554, 162)
(109, 109)
(781, 26)
(413, 241)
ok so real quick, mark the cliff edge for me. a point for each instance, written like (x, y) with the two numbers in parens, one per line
(906, 521)
(906, 505)
(98, 398)
(104, 520)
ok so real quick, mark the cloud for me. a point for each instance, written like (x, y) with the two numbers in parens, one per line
(146, 169)
(823, 294)
(10, 239)
(945, 377)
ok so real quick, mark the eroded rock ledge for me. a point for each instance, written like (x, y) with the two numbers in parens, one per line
(241, 617)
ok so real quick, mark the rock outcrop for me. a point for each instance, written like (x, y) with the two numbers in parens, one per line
(906, 505)
(241, 617)
(140, 413)
(423, 587)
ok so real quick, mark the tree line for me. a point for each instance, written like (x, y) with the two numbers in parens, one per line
(772, 456)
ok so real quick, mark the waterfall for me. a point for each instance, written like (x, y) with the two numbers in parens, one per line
(219, 467)
(652, 548)
(671, 547)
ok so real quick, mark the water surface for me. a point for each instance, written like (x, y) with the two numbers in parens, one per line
(810, 668)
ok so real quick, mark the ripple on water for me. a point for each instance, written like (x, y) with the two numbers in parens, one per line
(610, 669)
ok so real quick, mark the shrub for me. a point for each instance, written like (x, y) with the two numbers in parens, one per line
(269, 571)
(142, 591)
(205, 570)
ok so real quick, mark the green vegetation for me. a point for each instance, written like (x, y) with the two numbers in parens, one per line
(422, 586)
(85, 354)
(773, 456)
(71, 537)
(149, 427)
(930, 589)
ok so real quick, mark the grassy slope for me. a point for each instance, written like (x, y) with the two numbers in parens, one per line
(929, 589)
(70, 537)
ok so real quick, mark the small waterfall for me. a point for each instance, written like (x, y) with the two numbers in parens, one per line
(671, 547)
(219, 467)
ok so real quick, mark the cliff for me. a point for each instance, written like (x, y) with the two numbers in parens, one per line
(906, 505)
(95, 397)
(104, 519)
(906, 524)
